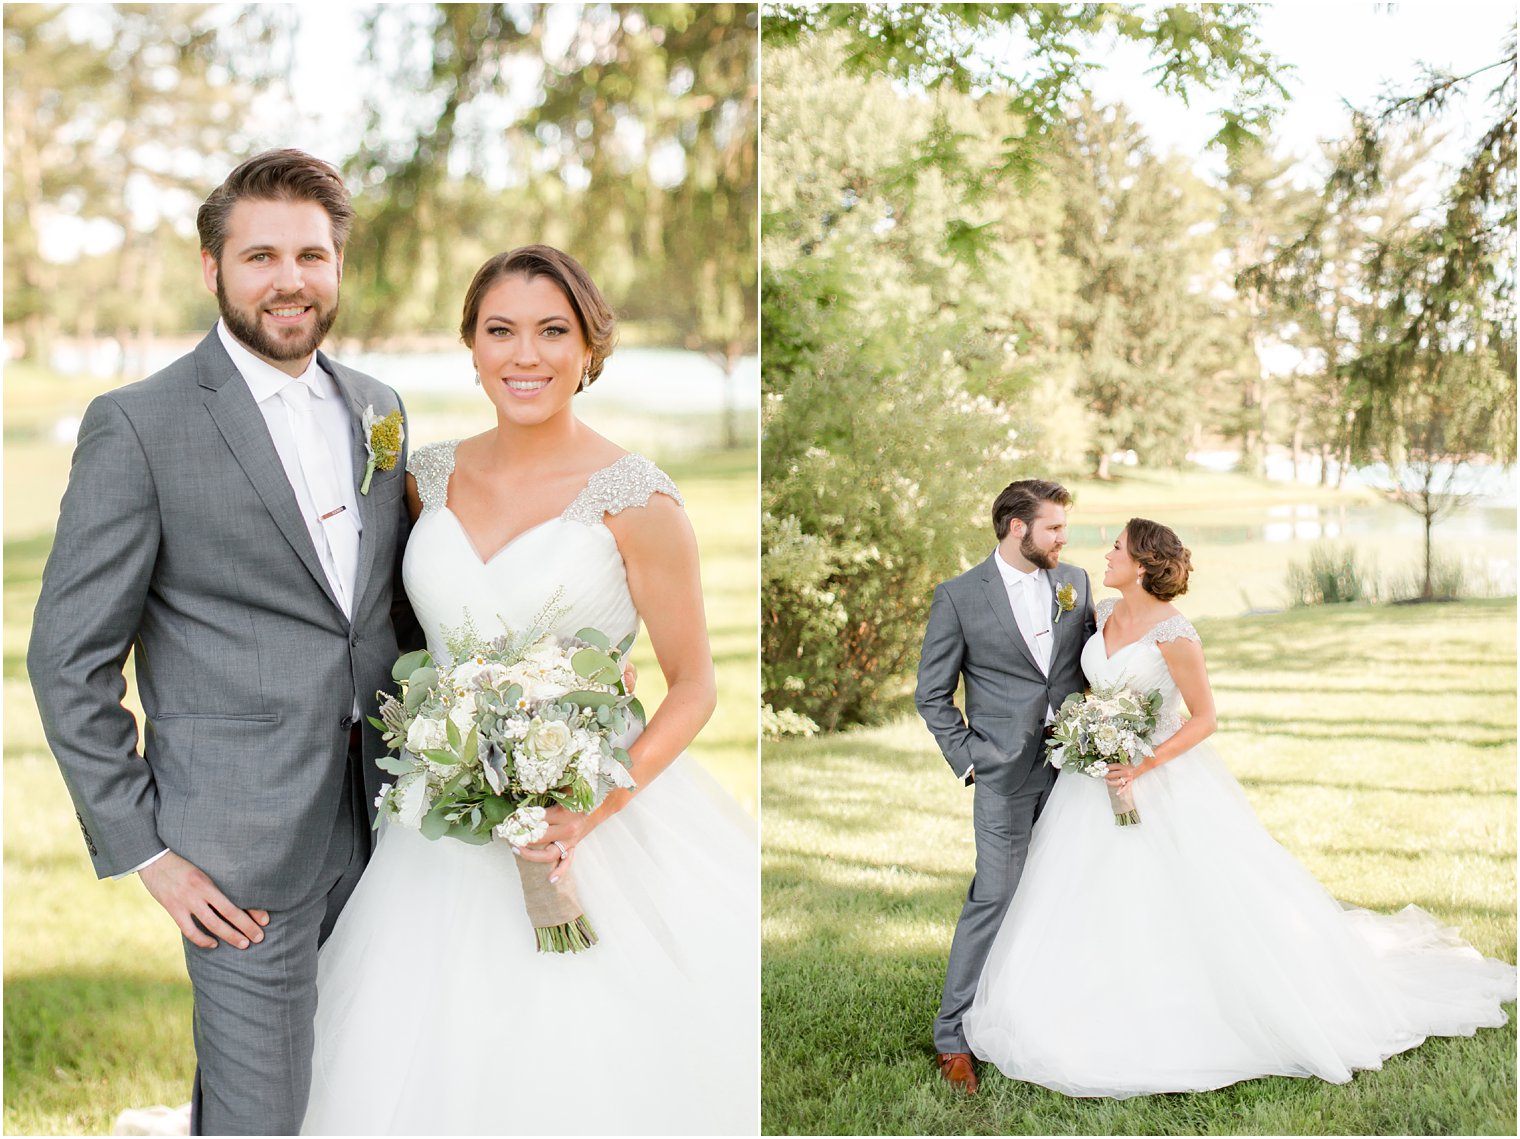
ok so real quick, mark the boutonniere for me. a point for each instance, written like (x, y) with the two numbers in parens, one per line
(1066, 599)
(382, 439)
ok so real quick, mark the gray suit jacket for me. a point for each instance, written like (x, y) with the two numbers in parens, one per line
(180, 538)
(972, 633)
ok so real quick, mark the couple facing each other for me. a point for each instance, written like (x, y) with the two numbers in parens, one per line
(1184, 953)
(222, 519)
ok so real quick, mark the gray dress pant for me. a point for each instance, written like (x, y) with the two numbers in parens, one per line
(1003, 824)
(255, 1007)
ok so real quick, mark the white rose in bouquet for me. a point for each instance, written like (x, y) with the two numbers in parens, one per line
(425, 734)
(1107, 739)
(463, 713)
(549, 738)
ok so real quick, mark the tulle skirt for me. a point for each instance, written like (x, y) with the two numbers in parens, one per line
(436, 1014)
(1233, 962)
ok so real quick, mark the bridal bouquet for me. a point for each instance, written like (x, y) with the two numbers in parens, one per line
(1108, 725)
(517, 724)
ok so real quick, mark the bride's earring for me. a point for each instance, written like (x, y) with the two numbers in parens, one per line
(586, 377)
(477, 379)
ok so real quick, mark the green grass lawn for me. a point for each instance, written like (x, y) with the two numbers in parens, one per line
(1376, 743)
(97, 1006)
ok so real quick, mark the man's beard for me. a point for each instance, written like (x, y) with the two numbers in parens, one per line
(1045, 559)
(252, 334)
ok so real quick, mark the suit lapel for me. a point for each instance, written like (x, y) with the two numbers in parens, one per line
(238, 418)
(997, 597)
(360, 460)
(1059, 621)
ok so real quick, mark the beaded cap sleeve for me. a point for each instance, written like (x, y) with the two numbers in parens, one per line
(630, 481)
(431, 466)
(1170, 629)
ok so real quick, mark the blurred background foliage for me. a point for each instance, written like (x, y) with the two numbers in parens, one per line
(623, 132)
(976, 270)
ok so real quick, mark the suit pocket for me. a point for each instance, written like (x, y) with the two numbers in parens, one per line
(990, 740)
(250, 717)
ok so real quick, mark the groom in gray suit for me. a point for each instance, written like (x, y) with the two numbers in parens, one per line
(1012, 628)
(213, 523)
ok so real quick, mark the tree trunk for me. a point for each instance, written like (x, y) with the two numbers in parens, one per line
(1429, 515)
(1102, 471)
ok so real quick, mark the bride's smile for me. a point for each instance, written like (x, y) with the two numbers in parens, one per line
(529, 350)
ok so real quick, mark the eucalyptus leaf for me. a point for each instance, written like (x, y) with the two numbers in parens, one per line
(590, 699)
(636, 709)
(434, 824)
(594, 637)
(465, 834)
(455, 740)
(438, 755)
(409, 663)
(591, 663)
(627, 643)
(380, 724)
(395, 764)
(471, 746)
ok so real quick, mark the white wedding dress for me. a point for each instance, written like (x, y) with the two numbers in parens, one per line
(436, 1014)
(1192, 951)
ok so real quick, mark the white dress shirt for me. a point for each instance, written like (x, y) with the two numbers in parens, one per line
(334, 422)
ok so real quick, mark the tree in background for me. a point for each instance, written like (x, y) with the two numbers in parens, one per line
(636, 151)
(935, 322)
(1140, 327)
(116, 114)
(1424, 352)
(626, 133)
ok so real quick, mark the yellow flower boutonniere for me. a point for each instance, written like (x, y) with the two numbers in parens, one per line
(382, 439)
(1066, 599)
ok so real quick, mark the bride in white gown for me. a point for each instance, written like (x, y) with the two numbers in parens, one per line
(436, 1015)
(1192, 951)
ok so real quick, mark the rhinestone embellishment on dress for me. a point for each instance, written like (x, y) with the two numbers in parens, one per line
(630, 481)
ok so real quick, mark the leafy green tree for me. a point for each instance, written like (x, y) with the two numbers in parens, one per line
(117, 113)
(1140, 327)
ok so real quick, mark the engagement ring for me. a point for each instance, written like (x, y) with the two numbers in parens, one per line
(564, 851)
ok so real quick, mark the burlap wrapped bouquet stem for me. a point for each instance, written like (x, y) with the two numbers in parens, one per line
(1122, 800)
(554, 908)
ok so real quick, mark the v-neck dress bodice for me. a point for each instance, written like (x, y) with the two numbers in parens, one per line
(1139, 664)
(567, 568)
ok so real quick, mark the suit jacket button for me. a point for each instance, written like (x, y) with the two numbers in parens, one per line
(347, 723)
(354, 639)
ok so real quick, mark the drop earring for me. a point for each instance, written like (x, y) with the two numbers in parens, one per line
(477, 379)
(586, 377)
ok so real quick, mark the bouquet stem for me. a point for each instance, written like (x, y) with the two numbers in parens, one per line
(559, 924)
(1122, 800)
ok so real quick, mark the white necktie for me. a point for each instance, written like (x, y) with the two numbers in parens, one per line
(338, 540)
(1037, 604)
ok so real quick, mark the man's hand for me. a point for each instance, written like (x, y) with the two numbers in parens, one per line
(190, 896)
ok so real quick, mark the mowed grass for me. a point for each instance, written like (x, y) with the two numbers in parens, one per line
(97, 1006)
(1376, 743)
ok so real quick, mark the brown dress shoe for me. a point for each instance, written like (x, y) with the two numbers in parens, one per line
(959, 1069)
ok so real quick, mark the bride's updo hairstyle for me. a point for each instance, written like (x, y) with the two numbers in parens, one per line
(1161, 554)
(592, 312)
